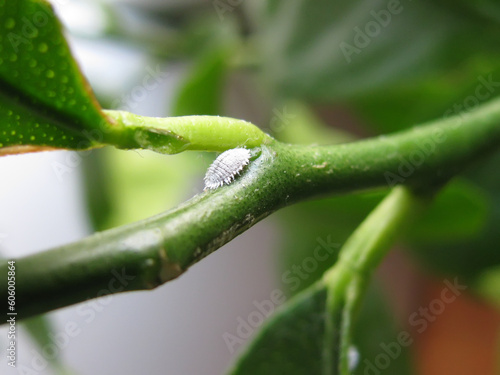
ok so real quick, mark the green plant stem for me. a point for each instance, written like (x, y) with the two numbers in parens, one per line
(171, 135)
(358, 258)
(160, 248)
(369, 243)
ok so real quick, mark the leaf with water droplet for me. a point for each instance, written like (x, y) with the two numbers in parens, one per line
(46, 103)
(42, 91)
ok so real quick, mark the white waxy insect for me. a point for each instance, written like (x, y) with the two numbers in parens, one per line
(226, 167)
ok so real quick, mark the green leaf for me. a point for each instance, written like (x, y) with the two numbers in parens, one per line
(488, 285)
(202, 92)
(327, 51)
(488, 10)
(45, 102)
(403, 74)
(376, 329)
(458, 213)
(312, 333)
(454, 92)
(468, 256)
(98, 188)
(291, 341)
(42, 332)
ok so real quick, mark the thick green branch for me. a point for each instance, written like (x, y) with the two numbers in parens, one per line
(148, 253)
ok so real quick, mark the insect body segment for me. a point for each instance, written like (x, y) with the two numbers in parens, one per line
(226, 167)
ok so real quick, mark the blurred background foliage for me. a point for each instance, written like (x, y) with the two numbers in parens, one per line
(279, 64)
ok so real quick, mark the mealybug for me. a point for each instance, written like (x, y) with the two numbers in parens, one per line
(226, 167)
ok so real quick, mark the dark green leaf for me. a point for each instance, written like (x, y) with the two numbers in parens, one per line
(322, 50)
(376, 332)
(458, 213)
(291, 341)
(488, 10)
(469, 257)
(423, 60)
